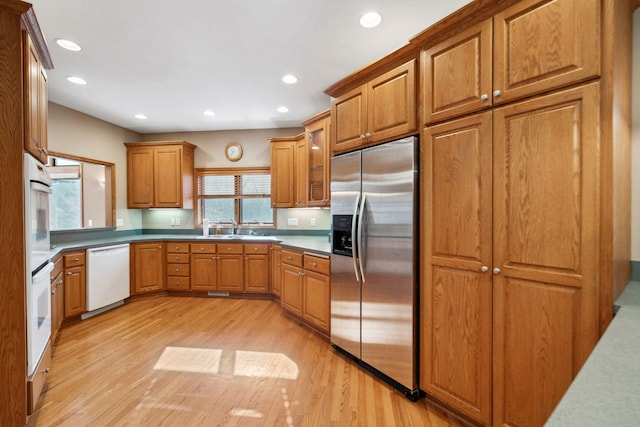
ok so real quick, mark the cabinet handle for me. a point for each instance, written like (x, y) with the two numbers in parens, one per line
(77, 259)
(300, 273)
(368, 135)
(496, 270)
(484, 97)
(46, 371)
(53, 292)
(496, 93)
(289, 258)
(484, 268)
(69, 273)
(362, 136)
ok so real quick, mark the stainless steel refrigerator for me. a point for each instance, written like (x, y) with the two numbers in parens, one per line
(374, 260)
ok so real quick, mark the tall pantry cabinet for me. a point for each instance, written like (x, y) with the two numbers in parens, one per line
(525, 201)
(18, 27)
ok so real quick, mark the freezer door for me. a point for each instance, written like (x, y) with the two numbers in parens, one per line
(388, 251)
(345, 286)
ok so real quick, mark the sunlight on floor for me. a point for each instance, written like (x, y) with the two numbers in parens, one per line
(184, 359)
(249, 413)
(265, 365)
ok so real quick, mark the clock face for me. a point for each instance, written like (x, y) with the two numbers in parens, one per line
(233, 151)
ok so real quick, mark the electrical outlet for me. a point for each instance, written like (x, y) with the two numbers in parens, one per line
(313, 222)
(173, 221)
(292, 221)
(177, 221)
(119, 222)
(90, 223)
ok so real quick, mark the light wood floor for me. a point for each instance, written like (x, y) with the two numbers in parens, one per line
(181, 361)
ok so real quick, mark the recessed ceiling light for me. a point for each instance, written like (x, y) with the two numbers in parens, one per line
(208, 113)
(290, 79)
(69, 45)
(140, 116)
(77, 80)
(370, 20)
(283, 110)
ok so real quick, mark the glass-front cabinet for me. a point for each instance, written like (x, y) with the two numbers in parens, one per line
(318, 174)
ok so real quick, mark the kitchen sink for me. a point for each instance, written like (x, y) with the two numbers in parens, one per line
(235, 237)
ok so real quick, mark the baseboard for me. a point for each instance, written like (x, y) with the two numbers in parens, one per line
(635, 271)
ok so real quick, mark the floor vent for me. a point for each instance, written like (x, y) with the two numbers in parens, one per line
(218, 294)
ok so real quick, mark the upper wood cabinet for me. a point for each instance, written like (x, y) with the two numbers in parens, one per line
(380, 110)
(531, 47)
(283, 154)
(317, 176)
(160, 174)
(300, 173)
(36, 105)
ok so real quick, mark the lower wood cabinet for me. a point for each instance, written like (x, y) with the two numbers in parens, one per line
(306, 287)
(204, 267)
(178, 266)
(147, 267)
(57, 297)
(35, 383)
(256, 268)
(75, 291)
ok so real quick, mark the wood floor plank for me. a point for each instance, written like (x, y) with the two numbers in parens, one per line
(181, 361)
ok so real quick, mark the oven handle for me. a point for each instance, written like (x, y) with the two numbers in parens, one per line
(38, 186)
(44, 271)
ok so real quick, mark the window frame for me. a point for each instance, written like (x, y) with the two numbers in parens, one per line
(237, 197)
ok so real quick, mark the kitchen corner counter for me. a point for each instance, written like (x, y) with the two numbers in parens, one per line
(607, 388)
(311, 243)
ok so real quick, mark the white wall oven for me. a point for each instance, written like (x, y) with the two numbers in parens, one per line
(38, 287)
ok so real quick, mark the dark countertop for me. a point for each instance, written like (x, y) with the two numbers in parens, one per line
(316, 244)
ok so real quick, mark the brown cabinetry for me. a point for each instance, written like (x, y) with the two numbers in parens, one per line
(160, 174)
(147, 273)
(204, 267)
(300, 173)
(276, 270)
(178, 265)
(527, 166)
(36, 105)
(306, 287)
(529, 48)
(378, 111)
(256, 268)
(75, 290)
(57, 297)
(317, 177)
(283, 154)
(230, 267)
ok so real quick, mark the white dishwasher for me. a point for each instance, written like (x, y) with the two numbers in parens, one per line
(107, 278)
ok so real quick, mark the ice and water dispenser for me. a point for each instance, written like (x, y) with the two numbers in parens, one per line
(342, 243)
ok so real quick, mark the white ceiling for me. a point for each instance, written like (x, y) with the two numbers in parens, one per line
(171, 60)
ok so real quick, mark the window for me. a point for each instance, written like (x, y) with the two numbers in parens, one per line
(240, 195)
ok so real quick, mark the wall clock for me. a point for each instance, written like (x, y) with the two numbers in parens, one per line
(233, 151)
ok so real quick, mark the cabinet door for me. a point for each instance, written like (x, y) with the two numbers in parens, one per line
(230, 273)
(349, 120)
(316, 302)
(318, 176)
(36, 105)
(204, 272)
(57, 304)
(455, 326)
(391, 103)
(457, 74)
(256, 273)
(276, 270)
(139, 177)
(148, 267)
(546, 245)
(301, 173)
(292, 282)
(282, 166)
(543, 45)
(75, 299)
(167, 174)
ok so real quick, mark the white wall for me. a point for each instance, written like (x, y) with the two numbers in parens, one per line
(635, 138)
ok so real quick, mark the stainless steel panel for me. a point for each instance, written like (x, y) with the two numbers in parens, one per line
(345, 286)
(387, 253)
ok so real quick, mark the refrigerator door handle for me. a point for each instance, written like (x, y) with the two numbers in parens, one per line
(354, 245)
(359, 236)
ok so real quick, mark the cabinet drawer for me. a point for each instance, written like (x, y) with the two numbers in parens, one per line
(256, 248)
(74, 259)
(35, 383)
(178, 258)
(203, 248)
(292, 257)
(178, 283)
(230, 248)
(178, 269)
(180, 247)
(317, 264)
(57, 267)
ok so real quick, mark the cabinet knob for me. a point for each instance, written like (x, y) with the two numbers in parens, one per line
(53, 292)
(46, 371)
(484, 268)
(69, 273)
(496, 93)
(314, 263)
(177, 269)
(484, 97)
(362, 136)
(77, 259)
(496, 270)
(290, 258)
(255, 249)
(368, 135)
